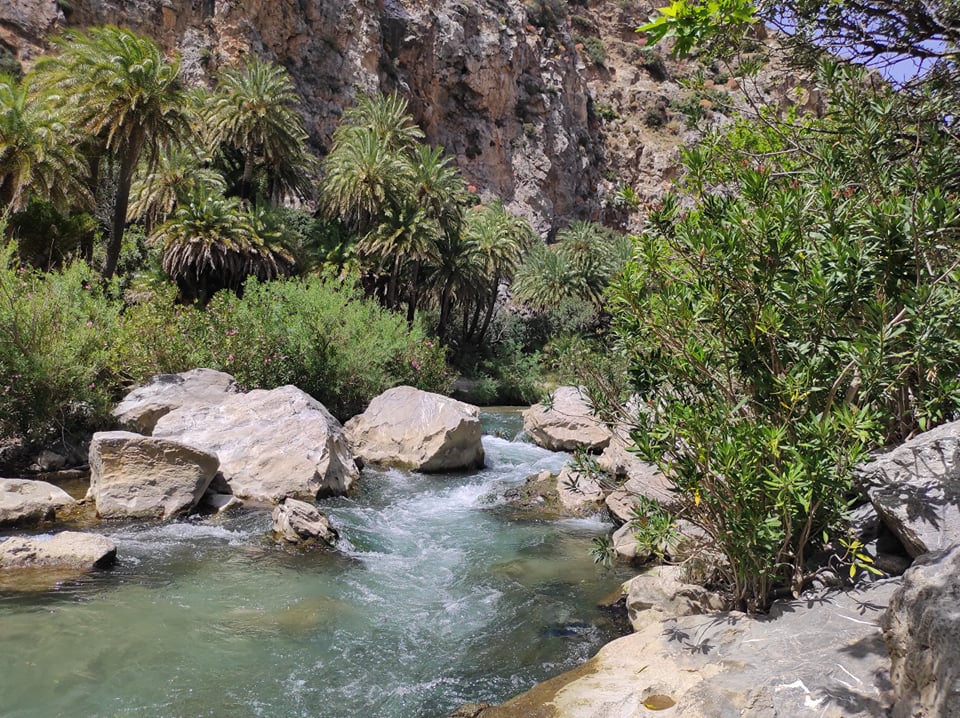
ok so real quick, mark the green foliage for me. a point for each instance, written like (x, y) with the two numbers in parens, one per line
(211, 243)
(56, 363)
(593, 46)
(654, 528)
(580, 265)
(253, 112)
(119, 91)
(798, 307)
(38, 153)
(45, 238)
(314, 332)
(546, 14)
(694, 23)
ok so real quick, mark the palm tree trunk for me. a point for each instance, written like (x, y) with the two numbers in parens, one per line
(394, 281)
(246, 183)
(445, 305)
(414, 294)
(128, 164)
(491, 305)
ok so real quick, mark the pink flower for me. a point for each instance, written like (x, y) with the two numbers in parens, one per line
(229, 357)
(89, 323)
(428, 343)
(415, 364)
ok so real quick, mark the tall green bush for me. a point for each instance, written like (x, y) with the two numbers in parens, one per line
(796, 306)
(56, 362)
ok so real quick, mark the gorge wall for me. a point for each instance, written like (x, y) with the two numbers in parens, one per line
(510, 89)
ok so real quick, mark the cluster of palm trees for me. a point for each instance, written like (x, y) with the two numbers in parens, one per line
(106, 121)
(421, 238)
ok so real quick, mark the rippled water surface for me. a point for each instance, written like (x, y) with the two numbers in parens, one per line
(439, 595)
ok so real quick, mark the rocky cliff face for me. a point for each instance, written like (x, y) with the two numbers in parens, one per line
(516, 92)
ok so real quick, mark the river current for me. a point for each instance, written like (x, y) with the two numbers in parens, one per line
(439, 595)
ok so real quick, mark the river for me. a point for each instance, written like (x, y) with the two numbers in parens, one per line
(439, 595)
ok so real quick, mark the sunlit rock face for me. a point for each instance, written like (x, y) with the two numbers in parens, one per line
(505, 98)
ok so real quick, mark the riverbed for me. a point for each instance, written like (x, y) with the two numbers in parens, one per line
(439, 594)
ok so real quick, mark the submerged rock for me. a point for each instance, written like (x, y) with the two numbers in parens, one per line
(418, 430)
(144, 406)
(24, 502)
(922, 631)
(146, 476)
(298, 522)
(68, 549)
(567, 424)
(271, 444)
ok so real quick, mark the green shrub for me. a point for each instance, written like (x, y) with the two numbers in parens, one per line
(546, 14)
(594, 48)
(794, 310)
(56, 334)
(314, 332)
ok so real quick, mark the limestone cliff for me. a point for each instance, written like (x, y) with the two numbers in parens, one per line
(518, 93)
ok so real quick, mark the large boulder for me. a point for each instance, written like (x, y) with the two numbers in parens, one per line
(661, 593)
(566, 424)
(67, 549)
(819, 656)
(25, 502)
(271, 444)
(579, 492)
(640, 479)
(146, 476)
(922, 631)
(142, 408)
(298, 522)
(418, 430)
(916, 489)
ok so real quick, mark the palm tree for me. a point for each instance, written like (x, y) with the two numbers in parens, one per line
(544, 279)
(38, 154)
(179, 174)
(384, 117)
(362, 177)
(501, 240)
(210, 243)
(253, 112)
(119, 88)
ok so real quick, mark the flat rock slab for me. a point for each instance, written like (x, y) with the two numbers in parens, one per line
(418, 430)
(144, 406)
(68, 549)
(271, 444)
(916, 489)
(24, 502)
(134, 476)
(822, 658)
(566, 424)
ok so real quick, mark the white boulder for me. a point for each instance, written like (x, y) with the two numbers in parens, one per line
(142, 408)
(271, 444)
(28, 502)
(145, 476)
(418, 430)
(567, 424)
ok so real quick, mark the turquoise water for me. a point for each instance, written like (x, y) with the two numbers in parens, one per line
(439, 595)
